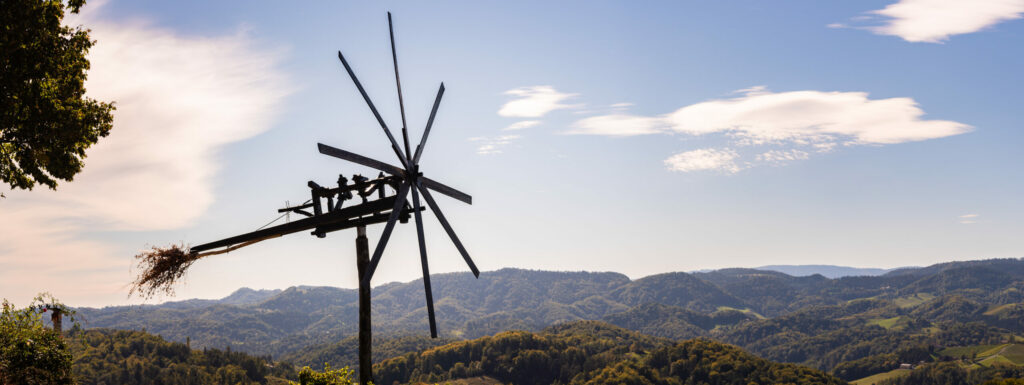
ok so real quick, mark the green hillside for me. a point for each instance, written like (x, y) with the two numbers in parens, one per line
(854, 327)
(127, 357)
(881, 377)
(591, 353)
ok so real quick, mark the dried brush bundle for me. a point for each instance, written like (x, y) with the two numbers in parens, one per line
(161, 268)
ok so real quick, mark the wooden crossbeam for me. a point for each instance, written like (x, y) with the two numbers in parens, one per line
(326, 219)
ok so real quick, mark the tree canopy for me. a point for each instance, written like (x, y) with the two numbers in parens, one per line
(46, 121)
(29, 352)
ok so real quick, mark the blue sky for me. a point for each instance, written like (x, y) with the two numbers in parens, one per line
(602, 136)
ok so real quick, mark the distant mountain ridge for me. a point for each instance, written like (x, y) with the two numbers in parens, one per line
(828, 271)
(672, 305)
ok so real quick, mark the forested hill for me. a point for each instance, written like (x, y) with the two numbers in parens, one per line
(103, 356)
(587, 352)
(733, 305)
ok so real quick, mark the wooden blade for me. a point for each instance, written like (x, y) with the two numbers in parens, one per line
(430, 123)
(423, 261)
(448, 229)
(437, 186)
(398, 82)
(396, 211)
(359, 159)
(394, 144)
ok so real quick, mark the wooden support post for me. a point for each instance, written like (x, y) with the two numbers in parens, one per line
(365, 338)
(55, 317)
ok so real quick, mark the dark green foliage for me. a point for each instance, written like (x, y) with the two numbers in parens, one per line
(676, 289)
(346, 352)
(308, 376)
(952, 373)
(46, 122)
(702, 361)
(30, 353)
(825, 323)
(1005, 381)
(557, 354)
(772, 293)
(126, 357)
(824, 337)
(674, 322)
(880, 363)
(588, 352)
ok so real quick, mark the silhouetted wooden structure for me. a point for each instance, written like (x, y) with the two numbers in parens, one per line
(327, 212)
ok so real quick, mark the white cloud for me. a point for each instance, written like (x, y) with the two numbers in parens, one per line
(534, 102)
(521, 125)
(621, 105)
(705, 159)
(934, 21)
(493, 145)
(782, 156)
(817, 120)
(618, 125)
(179, 99)
(968, 219)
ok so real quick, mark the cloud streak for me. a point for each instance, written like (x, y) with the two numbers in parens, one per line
(521, 125)
(534, 102)
(179, 100)
(493, 145)
(815, 121)
(705, 159)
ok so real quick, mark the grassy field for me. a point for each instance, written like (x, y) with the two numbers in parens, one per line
(474, 381)
(968, 351)
(880, 377)
(988, 355)
(744, 310)
(913, 300)
(1015, 353)
(887, 323)
(1003, 308)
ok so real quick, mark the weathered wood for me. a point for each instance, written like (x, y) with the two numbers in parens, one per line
(359, 86)
(359, 159)
(363, 221)
(430, 123)
(441, 188)
(304, 224)
(365, 329)
(448, 228)
(398, 81)
(386, 234)
(423, 262)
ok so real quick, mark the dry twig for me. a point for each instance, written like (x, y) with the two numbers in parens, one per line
(161, 268)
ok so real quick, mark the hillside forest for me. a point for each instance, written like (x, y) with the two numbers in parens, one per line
(951, 323)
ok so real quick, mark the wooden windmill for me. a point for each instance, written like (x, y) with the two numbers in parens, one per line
(376, 205)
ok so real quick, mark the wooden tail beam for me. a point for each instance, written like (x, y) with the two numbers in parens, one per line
(325, 219)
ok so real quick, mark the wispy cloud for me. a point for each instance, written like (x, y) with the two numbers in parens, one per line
(704, 159)
(809, 121)
(179, 100)
(534, 102)
(493, 145)
(968, 219)
(521, 125)
(619, 125)
(934, 21)
(782, 156)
